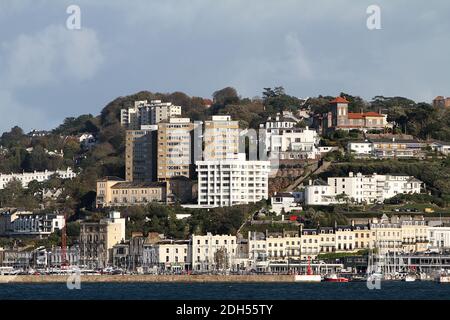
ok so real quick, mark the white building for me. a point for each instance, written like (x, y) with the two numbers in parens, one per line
(439, 237)
(284, 141)
(442, 147)
(173, 255)
(26, 177)
(30, 224)
(214, 252)
(360, 188)
(232, 182)
(144, 113)
(221, 138)
(360, 148)
(287, 202)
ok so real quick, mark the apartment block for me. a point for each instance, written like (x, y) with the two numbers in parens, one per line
(360, 188)
(232, 182)
(175, 149)
(25, 223)
(168, 255)
(140, 155)
(221, 138)
(144, 113)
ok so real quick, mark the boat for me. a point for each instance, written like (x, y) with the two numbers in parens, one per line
(410, 278)
(334, 278)
(309, 276)
(443, 278)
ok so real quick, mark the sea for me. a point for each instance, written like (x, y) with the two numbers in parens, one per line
(387, 290)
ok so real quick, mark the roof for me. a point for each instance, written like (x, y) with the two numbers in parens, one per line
(132, 185)
(319, 182)
(386, 140)
(111, 178)
(339, 100)
(284, 195)
(353, 115)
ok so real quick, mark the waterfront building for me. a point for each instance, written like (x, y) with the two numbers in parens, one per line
(439, 237)
(175, 149)
(41, 176)
(144, 113)
(360, 189)
(140, 155)
(55, 257)
(214, 253)
(168, 255)
(98, 238)
(221, 138)
(232, 182)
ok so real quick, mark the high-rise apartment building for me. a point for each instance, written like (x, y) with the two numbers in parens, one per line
(175, 149)
(144, 113)
(221, 138)
(140, 159)
(232, 182)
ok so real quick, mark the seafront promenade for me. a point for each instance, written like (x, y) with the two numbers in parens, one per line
(148, 278)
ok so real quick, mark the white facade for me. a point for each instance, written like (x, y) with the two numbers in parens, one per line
(206, 252)
(168, 255)
(439, 237)
(360, 148)
(232, 182)
(32, 224)
(26, 177)
(360, 188)
(144, 113)
(286, 202)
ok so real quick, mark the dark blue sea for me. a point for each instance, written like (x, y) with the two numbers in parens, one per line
(227, 291)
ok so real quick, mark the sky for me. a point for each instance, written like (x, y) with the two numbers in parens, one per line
(49, 72)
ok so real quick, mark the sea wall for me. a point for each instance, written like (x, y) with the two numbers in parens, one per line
(149, 278)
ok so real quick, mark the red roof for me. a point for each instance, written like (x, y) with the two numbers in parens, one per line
(339, 100)
(352, 115)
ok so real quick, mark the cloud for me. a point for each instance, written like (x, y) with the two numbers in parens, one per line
(50, 56)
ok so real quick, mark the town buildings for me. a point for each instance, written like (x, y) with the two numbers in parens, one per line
(98, 238)
(285, 202)
(387, 148)
(232, 182)
(26, 177)
(339, 118)
(25, 223)
(168, 255)
(144, 113)
(360, 188)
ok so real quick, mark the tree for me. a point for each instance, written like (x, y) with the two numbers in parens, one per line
(226, 96)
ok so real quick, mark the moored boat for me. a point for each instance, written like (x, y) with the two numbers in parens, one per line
(335, 278)
(309, 276)
(410, 278)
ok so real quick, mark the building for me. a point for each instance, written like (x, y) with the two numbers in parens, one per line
(140, 155)
(338, 118)
(439, 238)
(388, 147)
(169, 255)
(221, 138)
(441, 147)
(232, 182)
(98, 238)
(115, 192)
(360, 188)
(286, 202)
(24, 223)
(26, 177)
(441, 102)
(214, 253)
(175, 149)
(144, 113)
